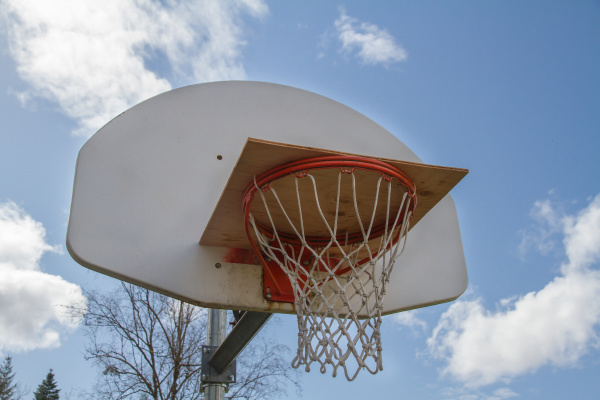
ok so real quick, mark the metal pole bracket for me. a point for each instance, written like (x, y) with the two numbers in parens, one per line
(210, 374)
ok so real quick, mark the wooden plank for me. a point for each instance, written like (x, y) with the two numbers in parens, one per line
(226, 226)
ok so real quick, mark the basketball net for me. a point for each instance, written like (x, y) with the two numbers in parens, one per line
(337, 246)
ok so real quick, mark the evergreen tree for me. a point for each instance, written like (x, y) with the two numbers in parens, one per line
(47, 389)
(8, 389)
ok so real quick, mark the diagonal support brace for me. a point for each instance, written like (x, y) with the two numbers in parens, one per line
(237, 340)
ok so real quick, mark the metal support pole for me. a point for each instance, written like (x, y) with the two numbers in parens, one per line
(216, 331)
(243, 332)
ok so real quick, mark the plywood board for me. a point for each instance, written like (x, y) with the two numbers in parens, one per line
(226, 225)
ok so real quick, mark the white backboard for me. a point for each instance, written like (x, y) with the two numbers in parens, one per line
(147, 183)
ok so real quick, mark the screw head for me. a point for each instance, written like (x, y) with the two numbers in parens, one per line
(218, 265)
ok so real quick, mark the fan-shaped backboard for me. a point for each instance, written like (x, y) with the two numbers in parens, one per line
(149, 184)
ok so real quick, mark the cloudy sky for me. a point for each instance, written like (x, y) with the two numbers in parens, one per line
(509, 90)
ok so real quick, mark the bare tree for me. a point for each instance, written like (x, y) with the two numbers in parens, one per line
(149, 346)
(264, 372)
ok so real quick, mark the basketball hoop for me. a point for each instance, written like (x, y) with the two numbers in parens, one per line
(320, 236)
(334, 226)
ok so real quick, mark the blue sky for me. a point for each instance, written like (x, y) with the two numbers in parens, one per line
(509, 90)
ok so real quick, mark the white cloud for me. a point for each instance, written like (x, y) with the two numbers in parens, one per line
(544, 235)
(372, 44)
(503, 393)
(32, 313)
(556, 325)
(470, 394)
(410, 320)
(582, 238)
(92, 57)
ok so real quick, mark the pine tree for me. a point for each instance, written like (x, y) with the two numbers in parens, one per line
(47, 389)
(8, 389)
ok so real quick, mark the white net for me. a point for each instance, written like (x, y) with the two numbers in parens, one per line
(339, 281)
